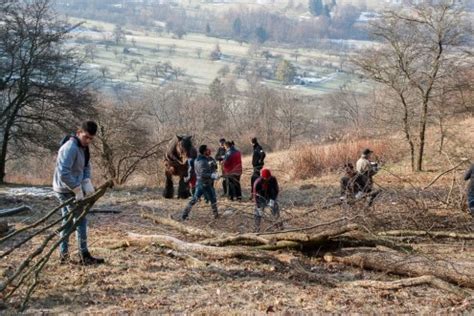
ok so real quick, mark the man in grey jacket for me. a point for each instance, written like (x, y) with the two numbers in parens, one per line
(469, 175)
(205, 176)
(72, 178)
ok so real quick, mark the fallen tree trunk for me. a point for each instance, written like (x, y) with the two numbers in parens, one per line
(15, 211)
(395, 285)
(182, 246)
(430, 234)
(276, 241)
(459, 273)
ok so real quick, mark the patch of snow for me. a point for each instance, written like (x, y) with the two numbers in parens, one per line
(31, 191)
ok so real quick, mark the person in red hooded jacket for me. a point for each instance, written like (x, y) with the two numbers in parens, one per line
(232, 170)
(265, 192)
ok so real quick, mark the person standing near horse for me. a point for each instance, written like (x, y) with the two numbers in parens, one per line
(265, 191)
(72, 178)
(220, 155)
(258, 160)
(232, 170)
(205, 176)
(469, 175)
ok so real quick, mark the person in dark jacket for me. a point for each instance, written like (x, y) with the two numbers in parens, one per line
(469, 175)
(72, 179)
(220, 155)
(258, 161)
(205, 176)
(232, 170)
(265, 191)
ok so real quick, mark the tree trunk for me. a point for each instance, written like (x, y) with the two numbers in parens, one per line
(459, 272)
(3, 152)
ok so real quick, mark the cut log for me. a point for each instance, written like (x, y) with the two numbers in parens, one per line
(15, 211)
(425, 279)
(429, 234)
(460, 273)
(182, 228)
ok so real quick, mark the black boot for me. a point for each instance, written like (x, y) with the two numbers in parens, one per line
(64, 258)
(185, 214)
(215, 212)
(86, 259)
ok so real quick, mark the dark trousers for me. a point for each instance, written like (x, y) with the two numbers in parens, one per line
(235, 190)
(255, 175)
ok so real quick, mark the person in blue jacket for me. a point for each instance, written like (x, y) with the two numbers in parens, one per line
(72, 178)
(469, 175)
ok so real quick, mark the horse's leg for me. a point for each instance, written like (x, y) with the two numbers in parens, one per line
(168, 192)
(183, 189)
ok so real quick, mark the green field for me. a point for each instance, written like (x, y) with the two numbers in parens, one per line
(150, 48)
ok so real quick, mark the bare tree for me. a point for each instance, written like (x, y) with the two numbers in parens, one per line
(420, 48)
(42, 90)
(292, 117)
(125, 141)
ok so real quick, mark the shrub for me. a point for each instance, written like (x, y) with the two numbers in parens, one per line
(314, 160)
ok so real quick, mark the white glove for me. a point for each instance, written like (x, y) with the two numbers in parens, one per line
(215, 176)
(78, 193)
(271, 203)
(87, 187)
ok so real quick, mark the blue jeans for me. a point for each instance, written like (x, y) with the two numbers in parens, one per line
(470, 201)
(81, 228)
(204, 189)
(209, 193)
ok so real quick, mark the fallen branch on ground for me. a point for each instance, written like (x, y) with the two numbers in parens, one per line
(15, 211)
(28, 272)
(431, 234)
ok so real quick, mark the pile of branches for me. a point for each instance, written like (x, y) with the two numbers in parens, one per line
(27, 274)
(349, 244)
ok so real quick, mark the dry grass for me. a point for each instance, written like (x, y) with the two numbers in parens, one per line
(314, 160)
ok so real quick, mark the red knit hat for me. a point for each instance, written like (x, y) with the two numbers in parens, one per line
(266, 174)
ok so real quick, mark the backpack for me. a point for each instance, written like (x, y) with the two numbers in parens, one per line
(87, 155)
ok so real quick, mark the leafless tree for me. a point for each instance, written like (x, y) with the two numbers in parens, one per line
(42, 89)
(420, 47)
(126, 140)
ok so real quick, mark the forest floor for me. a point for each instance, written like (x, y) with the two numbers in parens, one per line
(153, 278)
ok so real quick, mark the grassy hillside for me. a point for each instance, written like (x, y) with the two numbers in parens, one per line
(149, 48)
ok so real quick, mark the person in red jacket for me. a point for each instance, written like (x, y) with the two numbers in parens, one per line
(265, 191)
(232, 170)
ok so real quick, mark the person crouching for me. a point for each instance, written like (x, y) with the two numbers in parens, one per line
(265, 191)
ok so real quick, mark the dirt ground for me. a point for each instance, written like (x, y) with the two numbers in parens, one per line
(153, 279)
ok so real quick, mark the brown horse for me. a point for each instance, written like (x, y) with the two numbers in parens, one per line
(176, 164)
